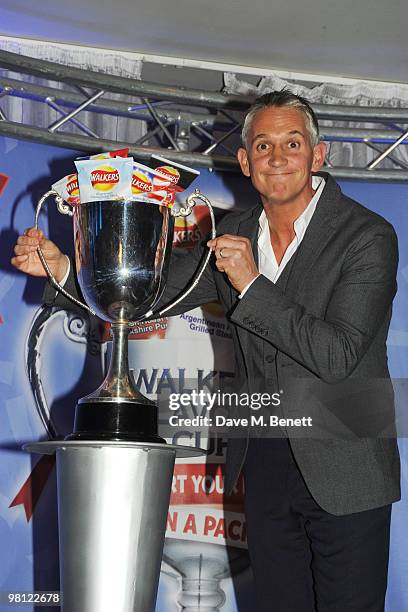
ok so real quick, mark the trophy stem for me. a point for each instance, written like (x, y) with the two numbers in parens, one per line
(117, 410)
(117, 379)
(118, 386)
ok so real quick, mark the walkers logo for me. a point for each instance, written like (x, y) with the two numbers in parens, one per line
(172, 174)
(4, 179)
(72, 185)
(188, 230)
(109, 181)
(141, 183)
(104, 178)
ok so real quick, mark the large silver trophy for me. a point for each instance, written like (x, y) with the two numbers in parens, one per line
(122, 254)
(114, 472)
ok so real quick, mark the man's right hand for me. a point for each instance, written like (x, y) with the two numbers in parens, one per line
(26, 257)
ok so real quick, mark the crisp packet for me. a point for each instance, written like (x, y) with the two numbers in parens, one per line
(149, 185)
(68, 189)
(180, 177)
(107, 154)
(109, 179)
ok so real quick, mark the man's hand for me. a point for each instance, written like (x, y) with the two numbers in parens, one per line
(234, 257)
(26, 257)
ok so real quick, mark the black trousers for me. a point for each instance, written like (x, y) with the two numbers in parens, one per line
(303, 558)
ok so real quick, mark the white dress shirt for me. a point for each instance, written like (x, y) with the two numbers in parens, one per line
(267, 263)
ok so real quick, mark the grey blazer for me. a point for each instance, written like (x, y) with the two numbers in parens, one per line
(325, 327)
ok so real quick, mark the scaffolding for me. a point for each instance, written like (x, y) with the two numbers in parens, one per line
(191, 126)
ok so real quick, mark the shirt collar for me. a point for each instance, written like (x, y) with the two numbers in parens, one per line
(301, 223)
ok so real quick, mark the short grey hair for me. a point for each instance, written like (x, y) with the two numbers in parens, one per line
(283, 98)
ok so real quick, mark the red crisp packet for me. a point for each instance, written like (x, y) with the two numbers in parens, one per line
(180, 177)
(107, 154)
(148, 185)
(68, 189)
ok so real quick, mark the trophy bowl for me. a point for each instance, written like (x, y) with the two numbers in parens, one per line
(122, 252)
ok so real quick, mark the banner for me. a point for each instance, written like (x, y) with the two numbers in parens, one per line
(49, 358)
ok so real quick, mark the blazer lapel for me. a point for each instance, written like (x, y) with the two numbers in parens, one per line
(318, 234)
(248, 228)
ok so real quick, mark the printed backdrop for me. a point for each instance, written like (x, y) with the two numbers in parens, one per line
(49, 358)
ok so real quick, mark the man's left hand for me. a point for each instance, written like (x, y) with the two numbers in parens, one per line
(234, 257)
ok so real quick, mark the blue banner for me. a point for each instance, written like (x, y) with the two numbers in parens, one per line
(50, 358)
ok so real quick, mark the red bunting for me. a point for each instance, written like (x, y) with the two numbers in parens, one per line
(4, 179)
(31, 490)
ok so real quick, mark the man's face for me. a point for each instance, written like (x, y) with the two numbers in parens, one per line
(280, 158)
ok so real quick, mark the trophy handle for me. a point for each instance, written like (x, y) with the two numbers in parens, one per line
(183, 212)
(65, 210)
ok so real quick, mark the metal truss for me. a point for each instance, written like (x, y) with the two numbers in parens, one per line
(191, 126)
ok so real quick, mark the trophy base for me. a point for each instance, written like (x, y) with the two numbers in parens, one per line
(115, 421)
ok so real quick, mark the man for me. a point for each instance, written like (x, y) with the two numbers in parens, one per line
(307, 280)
